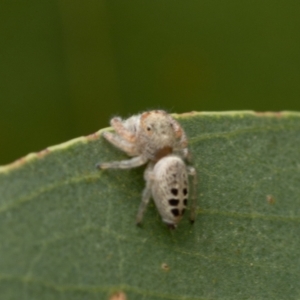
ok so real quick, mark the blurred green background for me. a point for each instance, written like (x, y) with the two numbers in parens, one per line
(67, 66)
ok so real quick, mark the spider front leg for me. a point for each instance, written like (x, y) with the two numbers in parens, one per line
(123, 164)
(192, 172)
(120, 143)
(121, 130)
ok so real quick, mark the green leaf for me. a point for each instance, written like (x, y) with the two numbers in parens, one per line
(67, 230)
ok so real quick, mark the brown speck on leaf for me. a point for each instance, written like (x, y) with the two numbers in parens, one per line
(118, 296)
(189, 114)
(43, 153)
(259, 113)
(165, 267)
(270, 199)
(92, 136)
(19, 161)
(268, 113)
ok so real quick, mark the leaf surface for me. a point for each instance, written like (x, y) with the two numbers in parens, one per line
(67, 230)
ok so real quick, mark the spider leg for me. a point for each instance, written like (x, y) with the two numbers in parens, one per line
(145, 197)
(120, 143)
(186, 154)
(121, 130)
(183, 141)
(179, 132)
(192, 172)
(123, 164)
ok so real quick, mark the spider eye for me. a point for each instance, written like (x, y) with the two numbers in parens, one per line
(148, 128)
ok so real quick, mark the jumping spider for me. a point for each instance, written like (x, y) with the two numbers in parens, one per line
(154, 137)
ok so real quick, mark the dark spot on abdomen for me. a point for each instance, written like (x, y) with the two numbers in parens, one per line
(174, 192)
(175, 212)
(174, 202)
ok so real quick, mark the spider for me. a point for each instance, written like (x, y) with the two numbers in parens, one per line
(154, 137)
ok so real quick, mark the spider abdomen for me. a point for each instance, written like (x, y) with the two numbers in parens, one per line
(170, 188)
